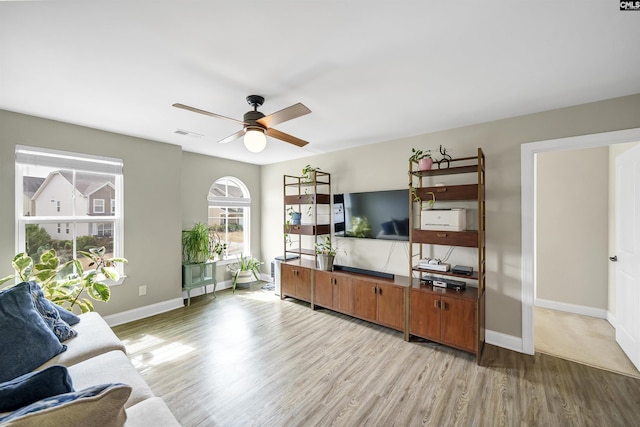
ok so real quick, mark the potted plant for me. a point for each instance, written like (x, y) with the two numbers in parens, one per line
(418, 199)
(195, 244)
(294, 216)
(243, 269)
(216, 247)
(309, 174)
(326, 253)
(64, 283)
(423, 158)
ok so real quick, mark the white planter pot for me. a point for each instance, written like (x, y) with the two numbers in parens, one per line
(325, 262)
(244, 279)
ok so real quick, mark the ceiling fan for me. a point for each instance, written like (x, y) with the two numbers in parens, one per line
(256, 125)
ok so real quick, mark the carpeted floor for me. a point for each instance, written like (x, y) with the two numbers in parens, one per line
(582, 339)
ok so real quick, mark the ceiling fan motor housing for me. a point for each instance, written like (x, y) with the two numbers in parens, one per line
(251, 119)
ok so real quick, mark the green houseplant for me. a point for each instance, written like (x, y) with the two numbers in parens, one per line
(64, 283)
(423, 158)
(309, 174)
(195, 244)
(326, 253)
(243, 269)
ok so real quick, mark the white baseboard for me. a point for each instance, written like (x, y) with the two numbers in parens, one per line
(142, 312)
(599, 313)
(503, 340)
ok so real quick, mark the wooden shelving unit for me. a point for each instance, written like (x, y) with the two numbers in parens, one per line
(455, 318)
(312, 199)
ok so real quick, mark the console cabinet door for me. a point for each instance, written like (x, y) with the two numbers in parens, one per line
(424, 315)
(459, 323)
(287, 280)
(391, 306)
(365, 299)
(296, 282)
(303, 283)
(323, 290)
(342, 294)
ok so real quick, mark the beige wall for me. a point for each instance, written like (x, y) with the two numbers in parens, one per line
(384, 166)
(164, 191)
(572, 226)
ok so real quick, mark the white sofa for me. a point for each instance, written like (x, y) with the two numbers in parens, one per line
(96, 356)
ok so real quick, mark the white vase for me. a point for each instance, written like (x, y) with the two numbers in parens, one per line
(325, 262)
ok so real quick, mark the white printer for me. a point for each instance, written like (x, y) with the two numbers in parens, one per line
(444, 219)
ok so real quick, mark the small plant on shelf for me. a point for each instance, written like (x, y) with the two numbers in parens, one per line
(309, 174)
(418, 199)
(326, 253)
(423, 158)
(324, 247)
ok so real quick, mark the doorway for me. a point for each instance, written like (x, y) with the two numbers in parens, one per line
(528, 210)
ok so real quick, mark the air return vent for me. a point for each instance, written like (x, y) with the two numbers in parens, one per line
(188, 133)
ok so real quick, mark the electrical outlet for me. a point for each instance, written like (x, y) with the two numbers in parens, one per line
(142, 290)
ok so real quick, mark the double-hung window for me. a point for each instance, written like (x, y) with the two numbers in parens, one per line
(60, 203)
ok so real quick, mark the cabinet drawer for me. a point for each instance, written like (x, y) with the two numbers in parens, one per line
(307, 229)
(450, 192)
(307, 199)
(467, 239)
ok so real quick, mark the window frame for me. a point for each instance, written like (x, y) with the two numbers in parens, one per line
(243, 203)
(77, 162)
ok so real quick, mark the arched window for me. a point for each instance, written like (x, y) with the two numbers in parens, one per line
(229, 206)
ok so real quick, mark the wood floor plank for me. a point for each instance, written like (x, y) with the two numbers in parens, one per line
(250, 359)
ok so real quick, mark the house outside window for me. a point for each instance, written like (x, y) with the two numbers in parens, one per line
(63, 187)
(229, 210)
(113, 206)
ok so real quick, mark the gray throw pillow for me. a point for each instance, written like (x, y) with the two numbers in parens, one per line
(100, 405)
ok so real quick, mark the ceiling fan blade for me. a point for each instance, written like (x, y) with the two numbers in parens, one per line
(282, 116)
(232, 138)
(206, 113)
(286, 137)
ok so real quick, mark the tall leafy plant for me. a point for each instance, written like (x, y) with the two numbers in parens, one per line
(67, 283)
(195, 244)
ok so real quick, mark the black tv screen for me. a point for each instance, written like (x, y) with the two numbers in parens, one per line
(372, 215)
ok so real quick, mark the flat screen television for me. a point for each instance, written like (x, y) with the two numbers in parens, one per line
(372, 215)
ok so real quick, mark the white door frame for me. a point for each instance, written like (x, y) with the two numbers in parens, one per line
(528, 210)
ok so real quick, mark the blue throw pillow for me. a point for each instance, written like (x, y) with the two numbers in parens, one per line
(67, 315)
(34, 386)
(50, 314)
(27, 342)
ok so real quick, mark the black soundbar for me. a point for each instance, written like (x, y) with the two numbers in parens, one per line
(390, 276)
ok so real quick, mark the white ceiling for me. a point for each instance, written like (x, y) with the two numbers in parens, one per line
(370, 71)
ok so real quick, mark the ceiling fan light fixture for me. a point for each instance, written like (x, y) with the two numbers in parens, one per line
(255, 140)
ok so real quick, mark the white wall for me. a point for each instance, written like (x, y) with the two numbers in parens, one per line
(572, 227)
(384, 166)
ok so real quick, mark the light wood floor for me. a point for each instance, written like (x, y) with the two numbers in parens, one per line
(250, 359)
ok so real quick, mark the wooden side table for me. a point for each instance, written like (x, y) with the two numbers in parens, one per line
(198, 276)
